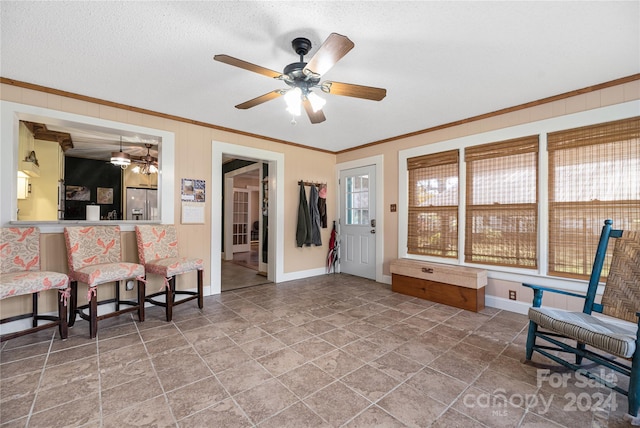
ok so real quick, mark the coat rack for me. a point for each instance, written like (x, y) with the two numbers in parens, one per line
(311, 183)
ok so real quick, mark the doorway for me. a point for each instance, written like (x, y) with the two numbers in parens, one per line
(272, 224)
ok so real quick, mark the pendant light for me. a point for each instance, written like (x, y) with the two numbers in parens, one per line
(121, 159)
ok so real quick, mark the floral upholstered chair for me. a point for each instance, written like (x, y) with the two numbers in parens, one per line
(94, 258)
(20, 274)
(158, 252)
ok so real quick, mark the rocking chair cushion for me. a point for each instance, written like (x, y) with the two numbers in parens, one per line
(612, 338)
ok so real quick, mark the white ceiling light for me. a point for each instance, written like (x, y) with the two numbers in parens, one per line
(316, 102)
(293, 100)
(121, 159)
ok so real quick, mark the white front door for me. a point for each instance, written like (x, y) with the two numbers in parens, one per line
(357, 221)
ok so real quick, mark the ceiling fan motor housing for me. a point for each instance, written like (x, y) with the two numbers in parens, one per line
(297, 78)
(301, 46)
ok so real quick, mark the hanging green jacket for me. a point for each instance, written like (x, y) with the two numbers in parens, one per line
(303, 229)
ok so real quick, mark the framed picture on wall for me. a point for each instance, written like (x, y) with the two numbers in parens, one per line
(105, 195)
(77, 193)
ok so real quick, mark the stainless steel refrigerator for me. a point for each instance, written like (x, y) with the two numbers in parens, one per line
(142, 204)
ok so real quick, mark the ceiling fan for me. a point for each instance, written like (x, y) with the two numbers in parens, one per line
(145, 164)
(302, 77)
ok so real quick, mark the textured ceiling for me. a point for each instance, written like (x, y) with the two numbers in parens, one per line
(439, 61)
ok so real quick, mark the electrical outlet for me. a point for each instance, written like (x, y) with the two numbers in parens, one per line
(129, 285)
(512, 294)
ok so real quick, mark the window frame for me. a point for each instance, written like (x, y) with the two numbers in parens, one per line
(542, 128)
(11, 113)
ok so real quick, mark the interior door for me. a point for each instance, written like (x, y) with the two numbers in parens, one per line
(241, 238)
(357, 221)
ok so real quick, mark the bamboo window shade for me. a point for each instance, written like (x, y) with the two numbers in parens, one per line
(502, 203)
(594, 174)
(433, 204)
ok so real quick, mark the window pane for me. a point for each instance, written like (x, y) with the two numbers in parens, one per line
(433, 205)
(357, 200)
(501, 223)
(594, 175)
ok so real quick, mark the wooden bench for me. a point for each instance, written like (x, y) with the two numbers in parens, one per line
(459, 286)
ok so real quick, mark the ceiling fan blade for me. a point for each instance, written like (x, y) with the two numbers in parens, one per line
(351, 90)
(259, 100)
(332, 50)
(314, 117)
(247, 65)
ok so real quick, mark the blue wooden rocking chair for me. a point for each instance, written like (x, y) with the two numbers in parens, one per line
(610, 344)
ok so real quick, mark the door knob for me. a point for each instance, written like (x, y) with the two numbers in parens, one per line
(373, 231)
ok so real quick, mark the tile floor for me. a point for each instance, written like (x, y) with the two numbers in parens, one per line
(328, 351)
(234, 276)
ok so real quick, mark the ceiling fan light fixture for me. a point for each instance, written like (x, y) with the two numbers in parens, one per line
(147, 166)
(316, 102)
(293, 100)
(121, 159)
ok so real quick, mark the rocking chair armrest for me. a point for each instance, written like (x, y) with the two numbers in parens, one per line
(538, 289)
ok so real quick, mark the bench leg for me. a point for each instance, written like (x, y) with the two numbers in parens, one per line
(200, 288)
(34, 310)
(73, 302)
(141, 296)
(169, 298)
(93, 315)
(62, 319)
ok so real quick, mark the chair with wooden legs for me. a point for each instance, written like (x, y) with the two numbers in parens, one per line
(609, 342)
(158, 252)
(94, 258)
(20, 275)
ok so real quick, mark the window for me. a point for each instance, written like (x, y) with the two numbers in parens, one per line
(357, 195)
(594, 175)
(501, 203)
(433, 204)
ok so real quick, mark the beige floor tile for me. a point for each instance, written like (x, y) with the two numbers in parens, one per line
(226, 359)
(305, 380)
(333, 350)
(265, 400)
(313, 348)
(23, 366)
(196, 396)
(411, 406)
(244, 376)
(437, 385)
(281, 361)
(370, 382)
(295, 416)
(223, 414)
(69, 414)
(396, 366)
(16, 408)
(374, 417)
(454, 419)
(151, 413)
(130, 394)
(457, 367)
(336, 403)
(339, 337)
(491, 410)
